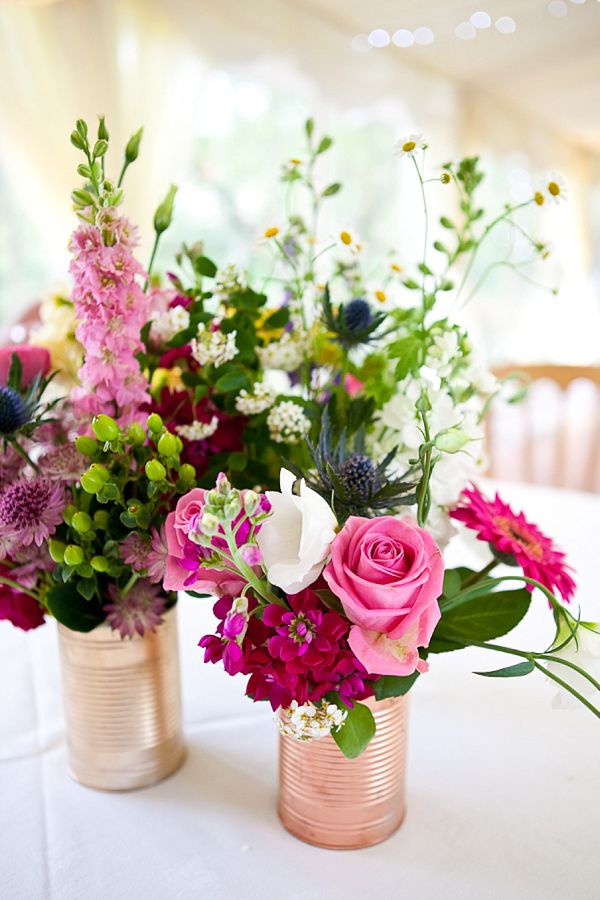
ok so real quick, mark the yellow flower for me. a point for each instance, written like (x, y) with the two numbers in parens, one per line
(445, 178)
(296, 162)
(351, 240)
(381, 296)
(346, 238)
(169, 378)
(271, 232)
(396, 268)
(539, 198)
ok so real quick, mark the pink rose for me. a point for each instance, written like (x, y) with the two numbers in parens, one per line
(388, 574)
(184, 563)
(34, 361)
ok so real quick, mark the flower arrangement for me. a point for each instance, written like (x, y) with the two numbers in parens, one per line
(198, 397)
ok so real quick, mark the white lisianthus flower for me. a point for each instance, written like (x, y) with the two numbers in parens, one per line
(583, 651)
(295, 538)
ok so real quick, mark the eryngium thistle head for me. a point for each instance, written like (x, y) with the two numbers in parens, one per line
(14, 411)
(357, 315)
(359, 476)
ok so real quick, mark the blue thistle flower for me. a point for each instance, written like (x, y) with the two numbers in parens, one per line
(357, 315)
(359, 476)
(14, 410)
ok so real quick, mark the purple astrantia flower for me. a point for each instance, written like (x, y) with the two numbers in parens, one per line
(156, 563)
(63, 463)
(134, 551)
(30, 510)
(30, 562)
(139, 610)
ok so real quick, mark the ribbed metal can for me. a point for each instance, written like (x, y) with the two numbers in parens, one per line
(122, 701)
(345, 804)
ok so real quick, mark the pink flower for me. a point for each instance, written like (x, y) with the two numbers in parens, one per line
(34, 361)
(157, 558)
(388, 574)
(510, 534)
(134, 550)
(63, 463)
(138, 611)
(353, 385)
(30, 511)
(186, 561)
(20, 609)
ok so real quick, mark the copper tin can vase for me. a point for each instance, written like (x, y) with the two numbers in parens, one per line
(122, 702)
(345, 804)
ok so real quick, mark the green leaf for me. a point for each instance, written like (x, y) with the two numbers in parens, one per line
(408, 351)
(238, 461)
(70, 609)
(309, 127)
(481, 618)
(324, 144)
(445, 222)
(424, 268)
(332, 189)
(278, 319)
(232, 381)
(205, 266)
(452, 582)
(516, 671)
(15, 372)
(356, 732)
(87, 588)
(394, 685)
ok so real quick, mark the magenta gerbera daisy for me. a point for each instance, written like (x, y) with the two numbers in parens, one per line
(30, 510)
(515, 540)
(139, 610)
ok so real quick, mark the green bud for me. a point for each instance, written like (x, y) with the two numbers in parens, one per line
(209, 524)
(102, 129)
(155, 471)
(233, 506)
(179, 444)
(136, 434)
(187, 472)
(100, 563)
(223, 485)
(108, 187)
(101, 519)
(81, 126)
(77, 140)
(100, 148)
(69, 512)
(167, 444)
(86, 445)
(164, 213)
(251, 502)
(56, 550)
(73, 555)
(81, 522)
(94, 479)
(133, 146)
(452, 440)
(105, 428)
(155, 423)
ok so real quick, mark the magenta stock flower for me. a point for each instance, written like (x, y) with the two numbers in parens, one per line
(514, 538)
(138, 611)
(111, 309)
(30, 510)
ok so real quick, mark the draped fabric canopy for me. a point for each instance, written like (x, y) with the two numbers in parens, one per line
(531, 95)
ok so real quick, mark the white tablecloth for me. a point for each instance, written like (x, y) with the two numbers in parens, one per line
(503, 790)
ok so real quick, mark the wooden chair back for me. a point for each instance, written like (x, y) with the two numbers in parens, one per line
(553, 435)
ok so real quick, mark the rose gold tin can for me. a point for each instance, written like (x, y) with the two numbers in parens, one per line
(344, 804)
(122, 702)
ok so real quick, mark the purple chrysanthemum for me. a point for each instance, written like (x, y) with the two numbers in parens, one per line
(30, 510)
(139, 610)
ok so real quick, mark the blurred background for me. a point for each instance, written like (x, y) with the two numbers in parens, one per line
(222, 90)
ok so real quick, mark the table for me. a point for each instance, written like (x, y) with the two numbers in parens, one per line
(503, 789)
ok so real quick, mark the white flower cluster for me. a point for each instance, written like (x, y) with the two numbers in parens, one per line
(198, 431)
(167, 324)
(213, 347)
(229, 280)
(287, 353)
(288, 423)
(444, 352)
(308, 722)
(261, 398)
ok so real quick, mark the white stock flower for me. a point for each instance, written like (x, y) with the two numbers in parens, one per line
(198, 431)
(295, 538)
(167, 324)
(287, 423)
(309, 722)
(261, 398)
(584, 651)
(287, 353)
(213, 347)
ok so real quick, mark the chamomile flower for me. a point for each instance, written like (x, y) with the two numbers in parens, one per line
(556, 189)
(410, 145)
(351, 240)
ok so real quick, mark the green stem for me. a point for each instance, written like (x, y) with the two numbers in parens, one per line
(122, 175)
(570, 665)
(248, 573)
(132, 580)
(152, 257)
(20, 588)
(478, 576)
(423, 488)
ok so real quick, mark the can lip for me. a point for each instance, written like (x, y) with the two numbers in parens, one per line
(104, 633)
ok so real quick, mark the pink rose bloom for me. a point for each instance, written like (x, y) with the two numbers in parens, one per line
(353, 385)
(184, 563)
(388, 574)
(34, 361)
